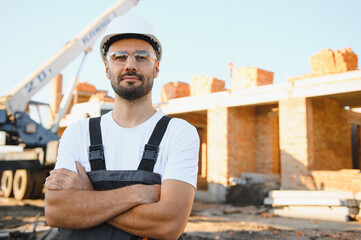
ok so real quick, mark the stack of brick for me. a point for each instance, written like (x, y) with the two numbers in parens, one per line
(204, 85)
(174, 90)
(101, 96)
(330, 62)
(247, 77)
(85, 87)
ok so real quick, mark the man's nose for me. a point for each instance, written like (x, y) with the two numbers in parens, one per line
(130, 64)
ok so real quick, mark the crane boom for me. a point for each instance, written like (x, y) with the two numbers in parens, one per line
(27, 147)
(18, 99)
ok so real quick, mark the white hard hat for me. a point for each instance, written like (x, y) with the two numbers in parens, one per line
(130, 26)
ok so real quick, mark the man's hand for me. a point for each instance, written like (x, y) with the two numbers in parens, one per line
(65, 179)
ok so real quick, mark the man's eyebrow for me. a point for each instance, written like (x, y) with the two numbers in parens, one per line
(142, 51)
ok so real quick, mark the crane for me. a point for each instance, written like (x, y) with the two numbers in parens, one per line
(30, 149)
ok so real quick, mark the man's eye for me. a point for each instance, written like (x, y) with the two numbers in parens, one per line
(141, 57)
(120, 57)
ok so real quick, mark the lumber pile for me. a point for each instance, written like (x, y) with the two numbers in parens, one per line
(320, 205)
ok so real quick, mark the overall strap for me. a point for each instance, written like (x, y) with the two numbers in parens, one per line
(96, 150)
(151, 149)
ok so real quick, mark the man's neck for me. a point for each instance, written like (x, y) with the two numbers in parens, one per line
(132, 113)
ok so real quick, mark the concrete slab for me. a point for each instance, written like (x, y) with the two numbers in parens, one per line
(311, 194)
(342, 210)
(284, 212)
(310, 202)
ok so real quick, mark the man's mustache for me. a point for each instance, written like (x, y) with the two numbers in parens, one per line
(121, 77)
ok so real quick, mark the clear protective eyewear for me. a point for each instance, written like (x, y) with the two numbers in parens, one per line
(141, 58)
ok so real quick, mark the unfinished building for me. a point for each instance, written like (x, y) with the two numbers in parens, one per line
(303, 134)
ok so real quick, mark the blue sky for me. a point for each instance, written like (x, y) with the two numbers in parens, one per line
(199, 37)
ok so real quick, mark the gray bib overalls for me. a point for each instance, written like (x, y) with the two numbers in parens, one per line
(107, 180)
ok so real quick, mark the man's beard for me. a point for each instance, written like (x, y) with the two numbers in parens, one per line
(132, 92)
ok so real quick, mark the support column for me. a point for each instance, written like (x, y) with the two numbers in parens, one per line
(217, 146)
(295, 119)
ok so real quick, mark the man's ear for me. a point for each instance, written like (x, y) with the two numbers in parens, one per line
(107, 69)
(156, 69)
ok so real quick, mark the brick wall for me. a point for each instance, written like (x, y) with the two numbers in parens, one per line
(204, 85)
(174, 90)
(295, 152)
(241, 140)
(345, 180)
(246, 77)
(331, 136)
(314, 135)
(199, 120)
(267, 158)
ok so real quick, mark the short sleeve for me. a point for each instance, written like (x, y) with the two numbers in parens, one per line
(69, 148)
(183, 154)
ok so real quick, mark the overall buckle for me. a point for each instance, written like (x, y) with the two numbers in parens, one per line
(96, 152)
(150, 152)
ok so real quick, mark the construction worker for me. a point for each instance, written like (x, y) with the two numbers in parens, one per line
(132, 173)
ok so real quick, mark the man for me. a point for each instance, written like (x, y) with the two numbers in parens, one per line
(131, 53)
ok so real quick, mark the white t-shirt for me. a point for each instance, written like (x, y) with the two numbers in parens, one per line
(123, 147)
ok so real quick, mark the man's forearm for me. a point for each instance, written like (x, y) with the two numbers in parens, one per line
(79, 209)
(165, 219)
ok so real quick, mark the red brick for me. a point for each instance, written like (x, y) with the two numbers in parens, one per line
(101, 96)
(86, 87)
(174, 90)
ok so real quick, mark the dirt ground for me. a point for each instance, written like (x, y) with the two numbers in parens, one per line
(25, 220)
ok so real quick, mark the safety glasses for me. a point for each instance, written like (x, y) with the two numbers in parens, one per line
(141, 58)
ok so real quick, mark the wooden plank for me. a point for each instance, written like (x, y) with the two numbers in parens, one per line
(310, 194)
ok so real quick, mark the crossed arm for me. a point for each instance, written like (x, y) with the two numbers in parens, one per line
(153, 211)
